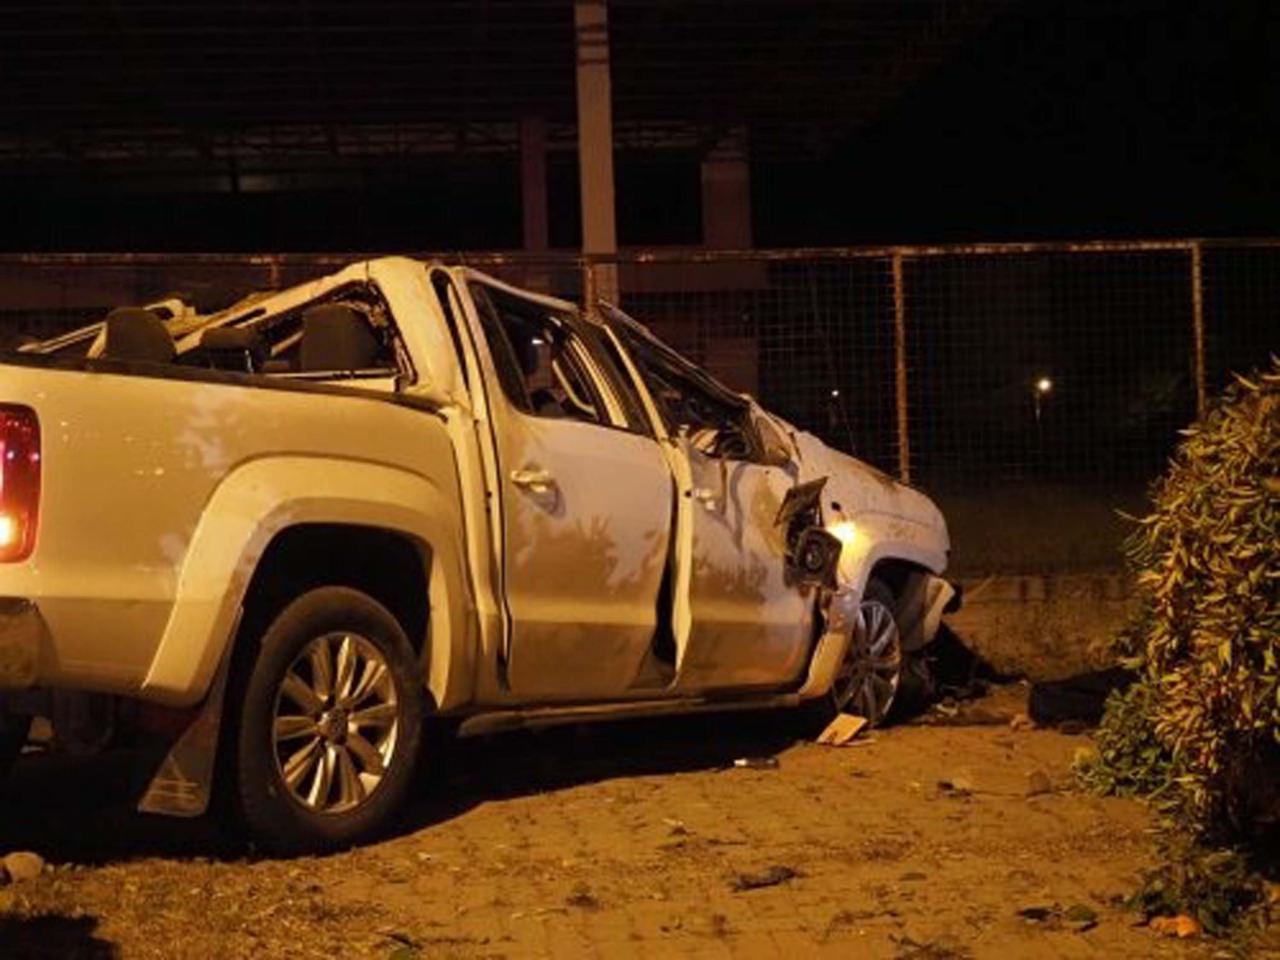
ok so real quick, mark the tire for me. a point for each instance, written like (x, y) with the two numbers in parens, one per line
(329, 724)
(870, 676)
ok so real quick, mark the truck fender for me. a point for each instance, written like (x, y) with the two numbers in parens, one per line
(870, 538)
(262, 497)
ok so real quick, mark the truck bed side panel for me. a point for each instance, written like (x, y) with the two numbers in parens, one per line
(130, 466)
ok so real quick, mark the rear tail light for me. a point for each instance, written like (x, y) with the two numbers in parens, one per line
(19, 481)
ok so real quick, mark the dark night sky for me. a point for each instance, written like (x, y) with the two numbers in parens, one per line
(1067, 118)
(1077, 118)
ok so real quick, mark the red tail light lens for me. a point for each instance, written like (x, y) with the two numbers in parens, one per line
(19, 481)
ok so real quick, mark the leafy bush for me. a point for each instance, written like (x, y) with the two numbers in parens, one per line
(1208, 572)
(1128, 758)
(1199, 732)
(1215, 886)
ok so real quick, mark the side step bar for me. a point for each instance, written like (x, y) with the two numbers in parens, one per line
(501, 720)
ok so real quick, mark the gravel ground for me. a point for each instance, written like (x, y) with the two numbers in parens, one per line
(641, 839)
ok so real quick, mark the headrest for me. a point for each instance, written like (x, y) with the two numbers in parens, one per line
(134, 333)
(242, 346)
(337, 337)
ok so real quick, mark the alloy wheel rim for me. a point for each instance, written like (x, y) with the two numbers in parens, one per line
(868, 679)
(335, 723)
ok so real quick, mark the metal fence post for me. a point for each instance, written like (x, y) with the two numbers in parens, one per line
(588, 287)
(1197, 327)
(900, 369)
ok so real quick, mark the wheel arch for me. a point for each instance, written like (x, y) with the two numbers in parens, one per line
(260, 532)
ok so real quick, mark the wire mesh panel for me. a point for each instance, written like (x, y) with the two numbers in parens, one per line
(1032, 389)
(557, 276)
(811, 337)
(41, 295)
(44, 294)
(1241, 309)
(1063, 365)
(1046, 389)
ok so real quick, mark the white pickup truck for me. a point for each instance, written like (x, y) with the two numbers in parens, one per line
(314, 522)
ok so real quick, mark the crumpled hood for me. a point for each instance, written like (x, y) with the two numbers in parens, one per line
(860, 488)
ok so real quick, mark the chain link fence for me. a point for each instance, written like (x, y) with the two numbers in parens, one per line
(1033, 389)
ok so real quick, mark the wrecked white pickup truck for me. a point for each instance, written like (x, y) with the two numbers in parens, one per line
(311, 524)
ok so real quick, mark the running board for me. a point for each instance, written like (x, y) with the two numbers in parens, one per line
(498, 721)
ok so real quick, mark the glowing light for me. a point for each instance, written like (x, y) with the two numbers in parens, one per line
(8, 531)
(1044, 385)
(835, 393)
(844, 531)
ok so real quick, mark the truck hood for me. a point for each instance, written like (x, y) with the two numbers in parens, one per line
(859, 488)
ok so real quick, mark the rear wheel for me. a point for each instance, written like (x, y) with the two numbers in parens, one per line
(870, 674)
(330, 723)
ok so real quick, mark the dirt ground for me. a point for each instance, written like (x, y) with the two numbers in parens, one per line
(627, 840)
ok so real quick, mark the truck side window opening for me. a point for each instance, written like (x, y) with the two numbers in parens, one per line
(614, 369)
(539, 361)
(715, 426)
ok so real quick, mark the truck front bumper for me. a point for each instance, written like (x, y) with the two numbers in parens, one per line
(21, 629)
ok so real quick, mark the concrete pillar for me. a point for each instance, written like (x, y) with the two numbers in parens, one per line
(533, 183)
(726, 194)
(595, 140)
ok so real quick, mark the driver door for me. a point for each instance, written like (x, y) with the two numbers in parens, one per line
(586, 505)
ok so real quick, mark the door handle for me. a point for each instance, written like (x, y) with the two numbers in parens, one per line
(537, 480)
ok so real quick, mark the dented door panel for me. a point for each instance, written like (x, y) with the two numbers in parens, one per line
(587, 516)
(748, 626)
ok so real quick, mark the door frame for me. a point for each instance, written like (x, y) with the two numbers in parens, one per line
(487, 397)
(678, 459)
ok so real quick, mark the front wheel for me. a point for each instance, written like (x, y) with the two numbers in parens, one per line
(870, 674)
(330, 724)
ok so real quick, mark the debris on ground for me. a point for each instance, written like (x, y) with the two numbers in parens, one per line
(1038, 914)
(757, 763)
(770, 877)
(582, 898)
(953, 713)
(959, 786)
(20, 866)
(1080, 918)
(1077, 917)
(1020, 721)
(841, 730)
(1038, 783)
(1075, 702)
(944, 948)
(1182, 926)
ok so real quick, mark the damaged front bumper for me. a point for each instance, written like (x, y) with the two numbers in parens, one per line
(925, 598)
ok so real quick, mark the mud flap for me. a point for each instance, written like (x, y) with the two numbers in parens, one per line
(183, 785)
(21, 633)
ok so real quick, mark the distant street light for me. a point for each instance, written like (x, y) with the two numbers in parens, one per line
(1041, 389)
